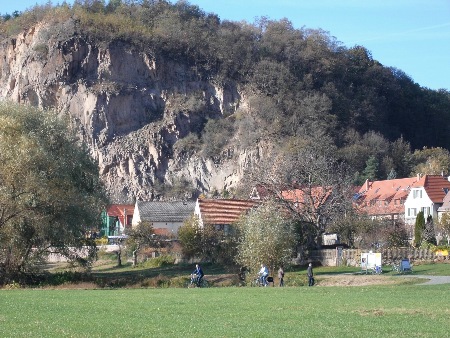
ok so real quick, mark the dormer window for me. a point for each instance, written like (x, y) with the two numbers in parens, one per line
(417, 193)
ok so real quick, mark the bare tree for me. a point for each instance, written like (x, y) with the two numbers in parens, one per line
(315, 188)
(444, 227)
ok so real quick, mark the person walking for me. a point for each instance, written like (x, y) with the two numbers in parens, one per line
(281, 276)
(310, 274)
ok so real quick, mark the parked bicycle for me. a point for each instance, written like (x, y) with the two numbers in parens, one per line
(396, 268)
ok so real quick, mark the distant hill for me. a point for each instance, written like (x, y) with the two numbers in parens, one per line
(174, 102)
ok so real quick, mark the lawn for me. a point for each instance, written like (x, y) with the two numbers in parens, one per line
(371, 311)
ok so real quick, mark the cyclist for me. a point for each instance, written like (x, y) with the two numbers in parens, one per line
(263, 273)
(198, 275)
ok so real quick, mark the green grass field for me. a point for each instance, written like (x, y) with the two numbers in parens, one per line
(374, 311)
(402, 309)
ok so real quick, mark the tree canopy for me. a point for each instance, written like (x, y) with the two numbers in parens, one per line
(266, 236)
(50, 193)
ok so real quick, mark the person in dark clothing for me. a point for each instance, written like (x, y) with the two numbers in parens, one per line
(281, 275)
(198, 274)
(310, 274)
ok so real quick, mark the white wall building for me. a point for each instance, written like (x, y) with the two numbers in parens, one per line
(427, 195)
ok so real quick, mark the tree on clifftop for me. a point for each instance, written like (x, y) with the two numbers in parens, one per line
(50, 193)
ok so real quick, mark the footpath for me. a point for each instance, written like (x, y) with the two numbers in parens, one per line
(432, 280)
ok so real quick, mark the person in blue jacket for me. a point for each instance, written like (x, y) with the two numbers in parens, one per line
(198, 274)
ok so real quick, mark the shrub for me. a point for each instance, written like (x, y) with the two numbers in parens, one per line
(158, 262)
(101, 241)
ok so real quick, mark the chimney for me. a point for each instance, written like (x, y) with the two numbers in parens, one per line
(366, 185)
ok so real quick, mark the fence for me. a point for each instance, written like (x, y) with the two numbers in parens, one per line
(352, 257)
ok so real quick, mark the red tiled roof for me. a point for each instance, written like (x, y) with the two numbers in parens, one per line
(384, 197)
(436, 187)
(224, 211)
(318, 194)
(387, 197)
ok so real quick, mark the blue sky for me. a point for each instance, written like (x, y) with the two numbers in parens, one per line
(411, 35)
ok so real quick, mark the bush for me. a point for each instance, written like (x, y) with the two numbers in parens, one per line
(158, 262)
(101, 241)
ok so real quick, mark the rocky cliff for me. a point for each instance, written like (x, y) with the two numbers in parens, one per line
(128, 106)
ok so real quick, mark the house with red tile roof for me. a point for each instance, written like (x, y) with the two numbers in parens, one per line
(222, 212)
(116, 218)
(312, 197)
(402, 198)
(427, 195)
(384, 199)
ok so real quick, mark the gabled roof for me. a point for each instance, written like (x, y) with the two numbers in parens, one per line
(383, 197)
(120, 210)
(318, 194)
(445, 204)
(387, 197)
(173, 212)
(259, 192)
(436, 187)
(224, 211)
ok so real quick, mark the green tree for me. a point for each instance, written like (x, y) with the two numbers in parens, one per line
(190, 237)
(50, 192)
(428, 234)
(431, 161)
(207, 242)
(267, 235)
(419, 228)
(371, 170)
(140, 237)
(392, 175)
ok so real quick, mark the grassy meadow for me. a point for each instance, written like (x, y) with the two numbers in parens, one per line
(375, 311)
(398, 310)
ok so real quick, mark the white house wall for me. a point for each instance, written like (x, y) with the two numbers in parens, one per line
(417, 201)
(136, 216)
(198, 214)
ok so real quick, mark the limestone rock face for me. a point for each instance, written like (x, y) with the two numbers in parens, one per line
(129, 107)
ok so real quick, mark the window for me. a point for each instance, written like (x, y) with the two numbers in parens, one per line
(426, 211)
(417, 193)
(412, 212)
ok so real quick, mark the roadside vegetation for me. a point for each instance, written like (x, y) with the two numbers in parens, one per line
(161, 272)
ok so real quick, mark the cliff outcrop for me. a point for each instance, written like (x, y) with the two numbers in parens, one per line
(128, 106)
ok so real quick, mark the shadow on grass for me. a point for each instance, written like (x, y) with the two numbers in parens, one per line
(114, 276)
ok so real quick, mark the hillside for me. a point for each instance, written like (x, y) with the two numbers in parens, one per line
(174, 102)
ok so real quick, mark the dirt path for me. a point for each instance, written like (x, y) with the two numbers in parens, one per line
(363, 280)
(432, 280)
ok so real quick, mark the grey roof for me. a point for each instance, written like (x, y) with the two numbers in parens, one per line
(165, 211)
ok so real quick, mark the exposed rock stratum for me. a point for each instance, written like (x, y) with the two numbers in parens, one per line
(128, 106)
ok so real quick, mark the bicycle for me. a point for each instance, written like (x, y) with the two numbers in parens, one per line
(257, 282)
(396, 268)
(193, 282)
